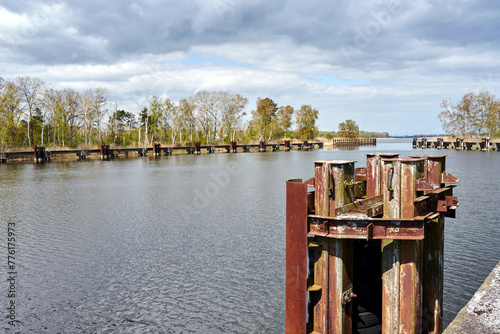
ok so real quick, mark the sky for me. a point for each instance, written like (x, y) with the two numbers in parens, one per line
(386, 64)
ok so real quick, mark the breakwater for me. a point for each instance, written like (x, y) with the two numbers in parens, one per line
(468, 144)
(354, 141)
(105, 152)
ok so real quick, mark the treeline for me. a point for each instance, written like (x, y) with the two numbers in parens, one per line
(34, 113)
(350, 129)
(361, 134)
(476, 114)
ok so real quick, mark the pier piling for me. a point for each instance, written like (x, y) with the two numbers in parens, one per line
(234, 147)
(157, 149)
(40, 154)
(262, 146)
(105, 152)
(197, 148)
(394, 207)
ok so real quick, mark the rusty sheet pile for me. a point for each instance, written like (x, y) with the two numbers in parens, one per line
(364, 250)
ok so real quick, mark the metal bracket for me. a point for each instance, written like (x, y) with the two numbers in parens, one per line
(347, 296)
(447, 178)
(424, 184)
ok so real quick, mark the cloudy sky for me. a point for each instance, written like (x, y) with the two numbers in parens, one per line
(387, 64)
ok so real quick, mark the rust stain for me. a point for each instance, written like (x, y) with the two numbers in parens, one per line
(296, 257)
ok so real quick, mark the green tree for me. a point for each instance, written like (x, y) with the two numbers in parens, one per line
(284, 119)
(475, 114)
(10, 113)
(348, 129)
(119, 122)
(158, 122)
(263, 117)
(232, 106)
(186, 120)
(306, 122)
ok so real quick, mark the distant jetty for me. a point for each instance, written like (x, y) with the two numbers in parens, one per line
(105, 152)
(354, 141)
(469, 144)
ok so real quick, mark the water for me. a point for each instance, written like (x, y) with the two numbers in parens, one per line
(193, 244)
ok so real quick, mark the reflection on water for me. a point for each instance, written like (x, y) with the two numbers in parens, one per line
(194, 244)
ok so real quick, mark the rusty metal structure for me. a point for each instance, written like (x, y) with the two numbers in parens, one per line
(39, 152)
(364, 246)
(105, 152)
(156, 149)
(482, 144)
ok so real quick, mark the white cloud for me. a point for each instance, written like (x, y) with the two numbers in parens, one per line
(388, 63)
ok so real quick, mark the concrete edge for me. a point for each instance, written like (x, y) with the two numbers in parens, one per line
(468, 322)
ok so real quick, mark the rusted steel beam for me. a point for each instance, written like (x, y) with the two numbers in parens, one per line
(156, 149)
(413, 200)
(197, 148)
(319, 298)
(351, 228)
(373, 171)
(296, 257)
(356, 190)
(359, 206)
(401, 258)
(424, 184)
(333, 270)
(40, 155)
(360, 174)
(411, 251)
(234, 147)
(105, 154)
(287, 146)
(433, 248)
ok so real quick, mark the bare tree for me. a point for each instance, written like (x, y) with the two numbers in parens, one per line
(232, 106)
(31, 91)
(474, 114)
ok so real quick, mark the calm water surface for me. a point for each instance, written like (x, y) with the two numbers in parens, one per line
(193, 244)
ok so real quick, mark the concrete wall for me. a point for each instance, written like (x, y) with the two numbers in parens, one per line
(482, 312)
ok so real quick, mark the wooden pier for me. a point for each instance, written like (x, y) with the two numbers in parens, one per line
(354, 141)
(467, 144)
(105, 152)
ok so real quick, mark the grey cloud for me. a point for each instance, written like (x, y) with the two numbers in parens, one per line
(372, 31)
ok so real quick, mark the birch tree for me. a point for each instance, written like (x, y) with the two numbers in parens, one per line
(232, 106)
(10, 113)
(30, 89)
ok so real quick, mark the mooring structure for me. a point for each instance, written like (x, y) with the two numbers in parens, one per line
(364, 246)
(106, 152)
